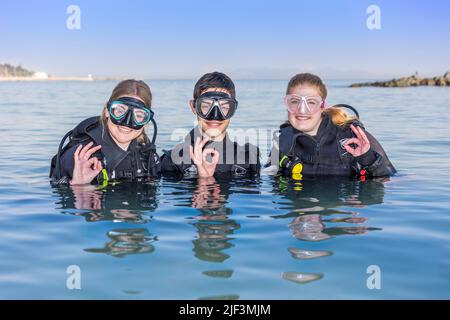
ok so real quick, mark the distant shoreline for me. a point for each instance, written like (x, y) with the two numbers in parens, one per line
(15, 79)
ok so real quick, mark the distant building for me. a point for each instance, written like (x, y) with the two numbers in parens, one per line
(40, 75)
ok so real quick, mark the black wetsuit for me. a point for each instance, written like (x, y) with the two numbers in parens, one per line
(139, 161)
(323, 154)
(234, 160)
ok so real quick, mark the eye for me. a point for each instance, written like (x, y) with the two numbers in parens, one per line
(225, 104)
(140, 115)
(119, 109)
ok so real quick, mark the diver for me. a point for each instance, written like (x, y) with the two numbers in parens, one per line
(322, 141)
(207, 150)
(113, 146)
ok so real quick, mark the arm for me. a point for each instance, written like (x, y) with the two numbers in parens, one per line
(368, 153)
(376, 160)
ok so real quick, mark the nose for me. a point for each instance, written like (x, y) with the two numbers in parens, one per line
(216, 114)
(304, 107)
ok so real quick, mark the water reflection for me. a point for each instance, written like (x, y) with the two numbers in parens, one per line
(316, 206)
(214, 227)
(127, 241)
(314, 210)
(301, 278)
(122, 202)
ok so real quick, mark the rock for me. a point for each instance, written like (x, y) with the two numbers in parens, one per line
(412, 81)
(447, 78)
(441, 82)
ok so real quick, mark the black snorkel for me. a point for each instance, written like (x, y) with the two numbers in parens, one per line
(155, 130)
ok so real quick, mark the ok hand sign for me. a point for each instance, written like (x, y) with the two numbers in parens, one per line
(361, 142)
(198, 155)
(85, 169)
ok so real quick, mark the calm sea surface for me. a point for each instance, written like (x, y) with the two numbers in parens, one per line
(263, 239)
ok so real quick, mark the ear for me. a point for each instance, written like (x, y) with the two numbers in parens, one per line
(191, 104)
(105, 113)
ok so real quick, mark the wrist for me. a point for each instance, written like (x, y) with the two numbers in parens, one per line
(366, 159)
(204, 175)
(75, 182)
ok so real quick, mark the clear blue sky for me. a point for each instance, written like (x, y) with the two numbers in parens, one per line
(245, 38)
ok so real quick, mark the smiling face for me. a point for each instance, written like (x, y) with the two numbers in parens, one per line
(214, 129)
(306, 121)
(122, 135)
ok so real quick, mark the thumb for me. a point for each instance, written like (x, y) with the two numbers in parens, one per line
(349, 149)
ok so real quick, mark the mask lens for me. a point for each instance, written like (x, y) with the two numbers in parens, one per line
(118, 110)
(293, 103)
(226, 106)
(205, 106)
(141, 116)
(314, 103)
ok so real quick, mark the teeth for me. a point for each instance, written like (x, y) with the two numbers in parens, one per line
(124, 130)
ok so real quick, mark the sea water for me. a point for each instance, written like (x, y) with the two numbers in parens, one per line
(245, 239)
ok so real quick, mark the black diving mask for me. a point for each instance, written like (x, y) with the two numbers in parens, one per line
(218, 106)
(129, 112)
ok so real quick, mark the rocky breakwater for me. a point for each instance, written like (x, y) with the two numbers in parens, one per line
(412, 81)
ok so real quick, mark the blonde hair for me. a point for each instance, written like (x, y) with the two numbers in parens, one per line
(129, 87)
(338, 116)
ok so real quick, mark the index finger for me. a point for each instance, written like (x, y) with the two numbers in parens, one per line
(91, 151)
(85, 148)
(363, 135)
(204, 142)
(77, 152)
(355, 131)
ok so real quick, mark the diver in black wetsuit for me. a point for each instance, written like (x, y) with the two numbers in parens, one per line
(208, 150)
(324, 141)
(113, 146)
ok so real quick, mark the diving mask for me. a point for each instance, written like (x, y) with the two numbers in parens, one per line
(129, 112)
(215, 105)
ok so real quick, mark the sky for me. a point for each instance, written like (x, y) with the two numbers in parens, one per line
(248, 39)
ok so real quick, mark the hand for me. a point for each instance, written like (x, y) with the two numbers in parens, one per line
(85, 169)
(361, 142)
(205, 168)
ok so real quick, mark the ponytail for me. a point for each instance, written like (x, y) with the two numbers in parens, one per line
(338, 116)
